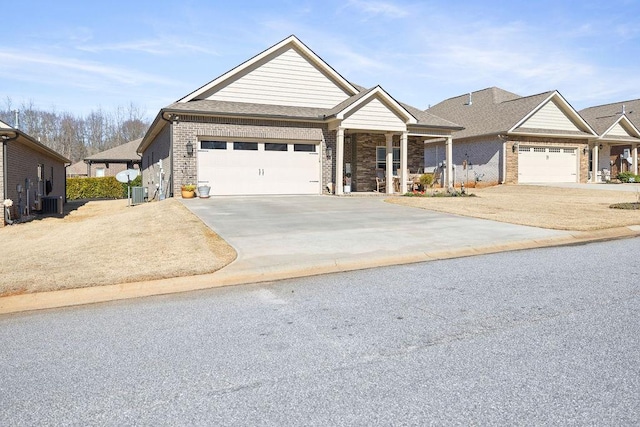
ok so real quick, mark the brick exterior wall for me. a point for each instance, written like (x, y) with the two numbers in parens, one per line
(194, 129)
(363, 150)
(112, 168)
(21, 163)
(359, 150)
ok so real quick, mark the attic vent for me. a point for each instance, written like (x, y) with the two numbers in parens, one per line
(469, 101)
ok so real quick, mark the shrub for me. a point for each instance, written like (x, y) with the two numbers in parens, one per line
(426, 179)
(98, 188)
(627, 177)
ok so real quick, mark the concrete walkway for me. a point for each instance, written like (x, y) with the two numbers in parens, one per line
(286, 237)
(631, 187)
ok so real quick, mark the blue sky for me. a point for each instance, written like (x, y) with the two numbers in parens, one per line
(80, 56)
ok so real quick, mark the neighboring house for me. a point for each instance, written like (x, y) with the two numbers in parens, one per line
(78, 169)
(512, 139)
(616, 148)
(112, 161)
(29, 172)
(285, 122)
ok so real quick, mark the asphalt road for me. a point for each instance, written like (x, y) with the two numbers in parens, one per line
(539, 337)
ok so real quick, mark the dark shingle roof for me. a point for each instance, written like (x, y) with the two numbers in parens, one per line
(601, 117)
(124, 152)
(490, 111)
(306, 113)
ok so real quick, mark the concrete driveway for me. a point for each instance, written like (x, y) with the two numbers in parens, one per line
(286, 236)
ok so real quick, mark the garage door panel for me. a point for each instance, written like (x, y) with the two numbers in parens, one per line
(247, 172)
(547, 164)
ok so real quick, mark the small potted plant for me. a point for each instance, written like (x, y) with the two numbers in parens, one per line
(188, 191)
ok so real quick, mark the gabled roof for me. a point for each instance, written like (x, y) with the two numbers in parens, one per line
(290, 42)
(78, 168)
(122, 153)
(494, 111)
(351, 97)
(340, 110)
(15, 135)
(604, 117)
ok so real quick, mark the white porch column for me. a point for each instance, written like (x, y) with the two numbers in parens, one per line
(634, 155)
(403, 163)
(595, 161)
(449, 160)
(389, 163)
(340, 162)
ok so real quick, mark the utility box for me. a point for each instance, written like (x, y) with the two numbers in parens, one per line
(137, 195)
(53, 205)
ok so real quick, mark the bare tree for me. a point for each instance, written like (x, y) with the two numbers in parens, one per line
(76, 137)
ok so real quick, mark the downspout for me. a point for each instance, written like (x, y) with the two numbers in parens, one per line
(171, 121)
(504, 139)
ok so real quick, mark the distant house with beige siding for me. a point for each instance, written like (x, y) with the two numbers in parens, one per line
(285, 122)
(29, 171)
(514, 139)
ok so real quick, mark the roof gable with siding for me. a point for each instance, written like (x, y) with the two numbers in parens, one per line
(287, 74)
(550, 117)
(374, 115)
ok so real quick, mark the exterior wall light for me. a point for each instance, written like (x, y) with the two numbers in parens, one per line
(514, 147)
(189, 149)
(329, 153)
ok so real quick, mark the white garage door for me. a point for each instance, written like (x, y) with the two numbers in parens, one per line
(244, 168)
(547, 164)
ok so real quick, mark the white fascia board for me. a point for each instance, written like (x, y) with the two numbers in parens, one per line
(409, 118)
(291, 40)
(567, 108)
(549, 135)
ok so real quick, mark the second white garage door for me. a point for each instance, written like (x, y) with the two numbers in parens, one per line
(246, 168)
(547, 164)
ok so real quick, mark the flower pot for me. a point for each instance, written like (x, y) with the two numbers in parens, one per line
(203, 191)
(188, 194)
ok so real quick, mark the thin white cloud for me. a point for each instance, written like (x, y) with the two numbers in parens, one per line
(385, 8)
(150, 46)
(38, 63)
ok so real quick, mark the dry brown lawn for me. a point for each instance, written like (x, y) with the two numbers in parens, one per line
(547, 207)
(108, 242)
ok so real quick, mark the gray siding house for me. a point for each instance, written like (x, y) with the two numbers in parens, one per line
(285, 122)
(513, 139)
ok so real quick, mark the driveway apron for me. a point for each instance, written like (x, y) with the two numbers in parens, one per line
(279, 234)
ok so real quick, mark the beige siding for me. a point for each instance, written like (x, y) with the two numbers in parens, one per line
(550, 117)
(374, 116)
(618, 130)
(287, 79)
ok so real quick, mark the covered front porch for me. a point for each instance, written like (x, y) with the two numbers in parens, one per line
(610, 157)
(382, 162)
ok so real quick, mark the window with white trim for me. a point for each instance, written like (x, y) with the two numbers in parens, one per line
(381, 158)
